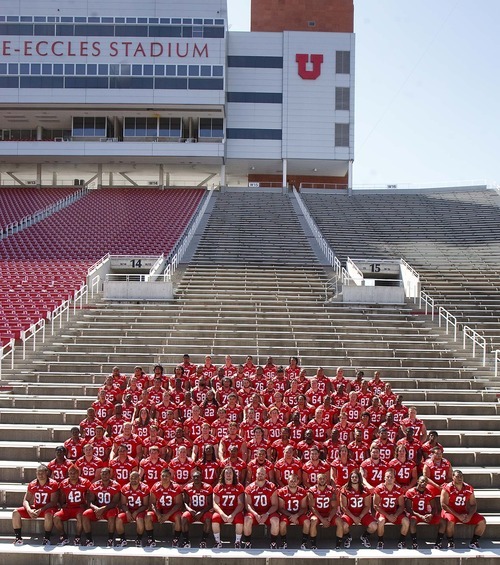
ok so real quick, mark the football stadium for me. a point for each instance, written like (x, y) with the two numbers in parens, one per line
(212, 345)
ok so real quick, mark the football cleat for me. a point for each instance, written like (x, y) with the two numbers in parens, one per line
(474, 545)
(414, 545)
(218, 545)
(402, 545)
(18, 541)
(365, 541)
(237, 545)
(203, 544)
(110, 542)
(138, 543)
(122, 543)
(151, 543)
(451, 544)
(273, 545)
(77, 540)
(63, 541)
(175, 542)
(186, 544)
(380, 545)
(46, 541)
(347, 542)
(284, 545)
(303, 546)
(438, 545)
(89, 543)
(248, 545)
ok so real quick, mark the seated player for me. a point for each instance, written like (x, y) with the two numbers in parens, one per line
(73, 496)
(355, 503)
(438, 471)
(422, 508)
(103, 500)
(134, 502)
(292, 506)
(165, 500)
(323, 506)
(262, 505)
(228, 502)
(459, 506)
(40, 501)
(388, 501)
(197, 497)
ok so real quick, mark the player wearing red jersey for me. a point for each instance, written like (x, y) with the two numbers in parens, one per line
(377, 412)
(422, 508)
(188, 367)
(438, 471)
(193, 424)
(270, 369)
(103, 408)
(236, 463)
(74, 445)
(404, 469)
(72, 500)
(89, 424)
(286, 466)
(355, 503)
(384, 444)
(122, 466)
(134, 502)
(332, 446)
(134, 389)
(262, 505)
(399, 410)
(388, 398)
(292, 506)
(323, 506)
(40, 501)
(209, 466)
(352, 408)
(181, 466)
(165, 500)
(150, 468)
(278, 446)
(377, 385)
(89, 464)
(419, 429)
(322, 430)
(232, 438)
(59, 466)
(205, 438)
(340, 380)
(314, 467)
(260, 461)
(103, 500)
(344, 428)
(388, 501)
(142, 423)
(102, 445)
(373, 469)
(256, 443)
(156, 391)
(304, 447)
(459, 506)
(432, 441)
(343, 466)
(198, 501)
(160, 410)
(224, 389)
(131, 440)
(367, 429)
(293, 369)
(178, 441)
(272, 426)
(358, 448)
(229, 502)
(155, 439)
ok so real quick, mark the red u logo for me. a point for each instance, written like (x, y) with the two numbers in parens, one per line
(303, 59)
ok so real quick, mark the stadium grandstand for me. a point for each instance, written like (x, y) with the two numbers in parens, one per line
(189, 281)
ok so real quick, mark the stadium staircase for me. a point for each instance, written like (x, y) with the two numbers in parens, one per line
(254, 286)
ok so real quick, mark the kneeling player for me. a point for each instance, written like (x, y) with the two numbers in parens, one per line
(229, 501)
(388, 501)
(166, 503)
(323, 506)
(421, 507)
(40, 501)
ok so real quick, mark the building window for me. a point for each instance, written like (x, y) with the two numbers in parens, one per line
(170, 127)
(211, 127)
(89, 127)
(140, 127)
(343, 62)
(341, 135)
(342, 96)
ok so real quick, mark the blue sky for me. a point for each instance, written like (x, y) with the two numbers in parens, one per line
(427, 89)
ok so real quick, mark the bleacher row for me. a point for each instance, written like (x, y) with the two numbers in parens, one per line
(452, 238)
(44, 265)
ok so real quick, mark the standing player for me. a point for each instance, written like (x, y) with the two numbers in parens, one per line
(151, 467)
(388, 501)
(103, 500)
(122, 466)
(422, 508)
(229, 502)
(262, 504)
(134, 503)
(165, 499)
(73, 496)
(356, 503)
(40, 501)
(459, 506)
(292, 505)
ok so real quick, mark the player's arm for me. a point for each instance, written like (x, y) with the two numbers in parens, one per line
(144, 506)
(249, 505)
